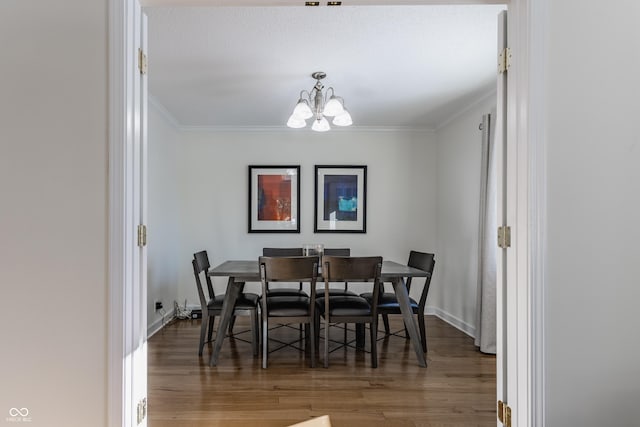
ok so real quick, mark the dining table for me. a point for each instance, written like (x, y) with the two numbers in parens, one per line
(240, 272)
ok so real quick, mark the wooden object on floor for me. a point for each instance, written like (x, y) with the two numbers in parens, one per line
(322, 421)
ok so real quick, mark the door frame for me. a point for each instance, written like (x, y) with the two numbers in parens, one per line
(526, 132)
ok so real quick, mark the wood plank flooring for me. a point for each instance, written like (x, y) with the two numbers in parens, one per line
(456, 389)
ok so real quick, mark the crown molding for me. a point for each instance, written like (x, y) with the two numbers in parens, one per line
(283, 128)
(482, 98)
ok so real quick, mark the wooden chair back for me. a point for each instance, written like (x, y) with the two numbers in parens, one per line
(351, 269)
(201, 265)
(288, 268)
(425, 262)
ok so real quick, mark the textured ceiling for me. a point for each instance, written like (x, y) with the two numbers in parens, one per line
(395, 66)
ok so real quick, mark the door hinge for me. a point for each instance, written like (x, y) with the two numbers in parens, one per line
(504, 60)
(504, 237)
(504, 413)
(142, 61)
(142, 410)
(142, 235)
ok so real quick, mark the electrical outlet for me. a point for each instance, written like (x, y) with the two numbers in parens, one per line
(158, 305)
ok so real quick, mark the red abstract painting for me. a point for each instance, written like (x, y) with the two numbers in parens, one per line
(274, 197)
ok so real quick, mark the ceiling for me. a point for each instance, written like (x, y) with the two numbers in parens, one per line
(395, 66)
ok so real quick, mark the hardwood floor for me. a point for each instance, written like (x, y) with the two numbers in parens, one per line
(456, 389)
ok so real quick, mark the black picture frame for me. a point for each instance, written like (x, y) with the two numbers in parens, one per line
(340, 202)
(274, 199)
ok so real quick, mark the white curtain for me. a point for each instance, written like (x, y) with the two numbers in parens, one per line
(487, 243)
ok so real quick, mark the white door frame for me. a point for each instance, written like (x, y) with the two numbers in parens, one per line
(127, 357)
(526, 133)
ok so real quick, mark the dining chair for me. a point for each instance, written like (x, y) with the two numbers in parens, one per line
(292, 308)
(388, 302)
(246, 304)
(284, 291)
(350, 308)
(339, 252)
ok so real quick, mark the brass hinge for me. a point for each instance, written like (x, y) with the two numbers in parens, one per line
(142, 61)
(504, 413)
(142, 235)
(504, 60)
(504, 237)
(142, 410)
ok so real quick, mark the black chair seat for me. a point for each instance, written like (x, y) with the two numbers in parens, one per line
(288, 306)
(335, 292)
(389, 301)
(345, 305)
(245, 301)
(286, 292)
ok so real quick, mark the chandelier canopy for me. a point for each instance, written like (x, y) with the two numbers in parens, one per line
(318, 105)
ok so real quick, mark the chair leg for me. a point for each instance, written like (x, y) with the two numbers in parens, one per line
(345, 332)
(265, 342)
(374, 342)
(423, 333)
(255, 334)
(385, 320)
(203, 331)
(212, 320)
(312, 342)
(359, 335)
(316, 337)
(326, 342)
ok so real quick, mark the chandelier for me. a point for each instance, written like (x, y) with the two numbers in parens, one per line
(319, 105)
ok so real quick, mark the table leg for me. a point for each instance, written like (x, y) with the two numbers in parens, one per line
(233, 290)
(405, 307)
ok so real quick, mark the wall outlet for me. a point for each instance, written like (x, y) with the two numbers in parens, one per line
(158, 305)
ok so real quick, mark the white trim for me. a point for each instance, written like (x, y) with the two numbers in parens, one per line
(452, 320)
(283, 128)
(160, 323)
(116, 275)
(489, 94)
(166, 114)
(539, 40)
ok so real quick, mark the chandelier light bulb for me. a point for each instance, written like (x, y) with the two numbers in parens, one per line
(320, 125)
(302, 110)
(343, 119)
(333, 107)
(296, 122)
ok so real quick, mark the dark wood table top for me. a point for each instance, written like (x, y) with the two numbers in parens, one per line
(248, 270)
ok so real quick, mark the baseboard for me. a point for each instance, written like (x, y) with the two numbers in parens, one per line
(452, 320)
(159, 324)
(457, 323)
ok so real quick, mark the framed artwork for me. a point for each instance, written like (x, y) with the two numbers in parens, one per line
(274, 199)
(340, 199)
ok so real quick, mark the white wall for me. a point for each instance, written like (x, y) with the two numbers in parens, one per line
(593, 209)
(164, 221)
(454, 292)
(53, 211)
(400, 180)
